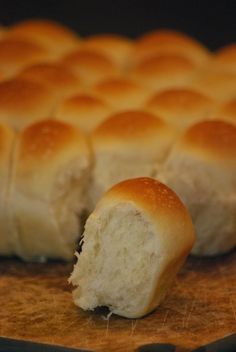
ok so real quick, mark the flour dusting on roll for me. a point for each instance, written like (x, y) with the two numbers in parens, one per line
(135, 242)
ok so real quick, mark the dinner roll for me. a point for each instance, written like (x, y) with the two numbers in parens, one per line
(122, 93)
(164, 72)
(181, 107)
(52, 35)
(118, 48)
(90, 65)
(135, 242)
(22, 102)
(3, 31)
(16, 54)
(128, 144)
(7, 137)
(85, 111)
(201, 169)
(56, 76)
(219, 85)
(227, 111)
(50, 177)
(169, 42)
(225, 58)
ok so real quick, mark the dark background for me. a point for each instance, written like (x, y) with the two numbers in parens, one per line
(212, 22)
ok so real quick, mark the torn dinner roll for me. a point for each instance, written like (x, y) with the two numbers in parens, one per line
(116, 47)
(181, 107)
(54, 36)
(135, 242)
(85, 111)
(122, 93)
(16, 54)
(128, 144)
(7, 138)
(164, 72)
(169, 42)
(23, 102)
(201, 169)
(56, 76)
(50, 179)
(90, 65)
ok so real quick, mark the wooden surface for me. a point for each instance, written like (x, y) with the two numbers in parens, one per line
(36, 304)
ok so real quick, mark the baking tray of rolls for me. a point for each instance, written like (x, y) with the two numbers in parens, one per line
(139, 137)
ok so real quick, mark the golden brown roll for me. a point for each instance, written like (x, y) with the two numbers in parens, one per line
(16, 54)
(116, 47)
(219, 85)
(50, 177)
(201, 169)
(128, 144)
(227, 111)
(122, 93)
(181, 107)
(3, 31)
(7, 138)
(225, 58)
(85, 111)
(56, 76)
(169, 42)
(52, 35)
(164, 72)
(23, 102)
(90, 65)
(135, 242)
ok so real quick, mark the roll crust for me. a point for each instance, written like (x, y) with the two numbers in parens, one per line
(181, 107)
(132, 127)
(165, 41)
(18, 53)
(85, 111)
(55, 76)
(116, 47)
(90, 65)
(122, 93)
(220, 85)
(52, 35)
(163, 72)
(22, 102)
